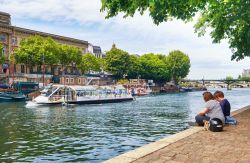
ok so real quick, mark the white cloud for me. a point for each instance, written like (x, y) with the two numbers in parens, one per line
(82, 19)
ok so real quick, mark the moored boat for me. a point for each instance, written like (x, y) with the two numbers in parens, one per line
(141, 91)
(185, 89)
(191, 89)
(60, 94)
(11, 95)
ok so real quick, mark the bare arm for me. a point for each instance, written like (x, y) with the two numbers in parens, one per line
(204, 111)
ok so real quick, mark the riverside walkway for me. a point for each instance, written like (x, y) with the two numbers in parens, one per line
(196, 145)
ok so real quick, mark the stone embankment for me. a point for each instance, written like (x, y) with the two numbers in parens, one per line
(196, 145)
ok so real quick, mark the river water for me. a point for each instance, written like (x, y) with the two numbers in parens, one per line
(94, 133)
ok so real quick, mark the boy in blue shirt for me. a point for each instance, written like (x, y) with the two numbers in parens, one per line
(224, 103)
(225, 106)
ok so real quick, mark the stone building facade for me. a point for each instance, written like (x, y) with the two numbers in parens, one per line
(96, 51)
(10, 38)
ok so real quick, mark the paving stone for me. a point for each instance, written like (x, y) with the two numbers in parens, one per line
(231, 145)
(196, 145)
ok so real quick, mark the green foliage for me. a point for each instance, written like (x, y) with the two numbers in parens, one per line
(229, 78)
(89, 63)
(178, 64)
(152, 67)
(159, 10)
(36, 50)
(246, 78)
(102, 63)
(2, 56)
(134, 69)
(117, 62)
(226, 19)
(69, 55)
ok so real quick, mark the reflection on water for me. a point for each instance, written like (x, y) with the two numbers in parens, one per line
(95, 133)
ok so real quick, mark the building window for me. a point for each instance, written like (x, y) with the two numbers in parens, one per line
(3, 37)
(22, 69)
(67, 80)
(34, 69)
(71, 81)
(47, 70)
(39, 69)
(52, 70)
(60, 71)
(79, 81)
(4, 50)
(84, 50)
(14, 41)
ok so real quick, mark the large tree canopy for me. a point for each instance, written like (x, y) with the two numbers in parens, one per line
(69, 55)
(37, 50)
(178, 64)
(89, 63)
(227, 19)
(117, 62)
(153, 67)
(134, 69)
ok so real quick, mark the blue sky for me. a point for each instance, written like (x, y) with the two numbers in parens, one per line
(82, 19)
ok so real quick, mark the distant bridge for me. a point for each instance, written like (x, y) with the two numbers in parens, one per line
(227, 82)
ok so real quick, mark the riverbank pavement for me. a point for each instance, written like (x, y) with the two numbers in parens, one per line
(196, 145)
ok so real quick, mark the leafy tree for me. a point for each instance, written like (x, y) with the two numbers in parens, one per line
(178, 64)
(246, 78)
(37, 50)
(89, 63)
(68, 56)
(227, 19)
(117, 62)
(102, 63)
(133, 71)
(152, 67)
(229, 78)
(2, 56)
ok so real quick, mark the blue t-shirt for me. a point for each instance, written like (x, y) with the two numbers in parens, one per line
(226, 107)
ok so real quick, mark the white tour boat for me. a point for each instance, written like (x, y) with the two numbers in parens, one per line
(60, 94)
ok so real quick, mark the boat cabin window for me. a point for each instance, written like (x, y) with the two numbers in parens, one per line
(50, 91)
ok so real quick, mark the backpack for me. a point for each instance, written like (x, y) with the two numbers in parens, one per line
(215, 125)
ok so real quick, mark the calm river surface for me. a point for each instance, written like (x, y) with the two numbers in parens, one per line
(94, 133)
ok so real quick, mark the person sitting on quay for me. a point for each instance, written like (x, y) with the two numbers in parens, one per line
(212, 110)
(225, 106)
(224, 103)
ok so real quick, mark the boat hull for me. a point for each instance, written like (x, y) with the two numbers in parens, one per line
(99, 101)
(9, 96)
(10, 99)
